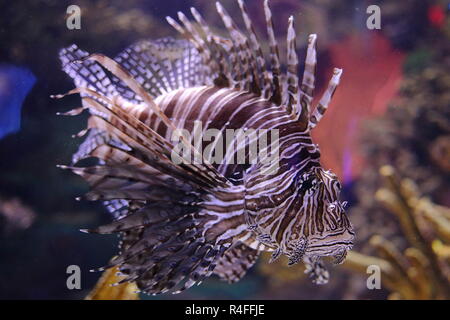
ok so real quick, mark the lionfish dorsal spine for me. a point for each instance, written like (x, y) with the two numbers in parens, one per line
(264, 78)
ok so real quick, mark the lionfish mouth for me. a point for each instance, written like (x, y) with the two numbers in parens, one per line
(331, 245)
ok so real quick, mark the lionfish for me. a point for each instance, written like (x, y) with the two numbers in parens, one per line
(181, 221)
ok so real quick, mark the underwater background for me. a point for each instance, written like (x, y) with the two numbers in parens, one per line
(386, 135)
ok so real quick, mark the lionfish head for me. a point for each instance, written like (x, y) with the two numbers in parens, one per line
(326, 230)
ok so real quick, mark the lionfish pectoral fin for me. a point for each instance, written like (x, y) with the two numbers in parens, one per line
(120, 135)
(151, 147)
(205, 169)
(159, 66)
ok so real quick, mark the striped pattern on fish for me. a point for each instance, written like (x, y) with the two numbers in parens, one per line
(181, 221)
